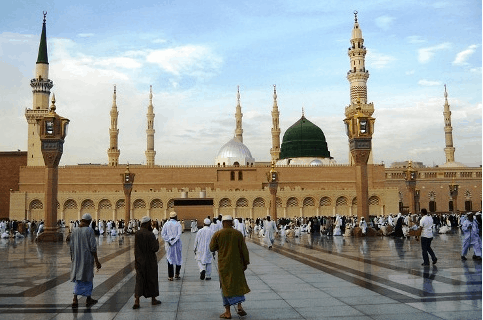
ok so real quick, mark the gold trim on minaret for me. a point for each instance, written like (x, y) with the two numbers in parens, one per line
(238, 118)
(275, 150)
(150, 153)
(113, 152)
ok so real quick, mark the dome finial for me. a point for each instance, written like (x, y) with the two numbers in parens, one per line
(45, 14)
(303, 112)
(355, 16)
(238, 94)
(151, 94)
(52, 106)
(274, 92)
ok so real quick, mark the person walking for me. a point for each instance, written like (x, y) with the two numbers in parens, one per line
(472, 238)
(270, 230)
(83, 254)
(146, 263)
(426, 224)
(233, 259)
(171, 234)
(202, 250)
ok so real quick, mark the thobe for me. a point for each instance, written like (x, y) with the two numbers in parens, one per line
(270, 229)
(202, 250)
(171, 234)
(233, 259)
(146, 264)
(472, 237)
(241, 227)
(82, 246)
(363, 226)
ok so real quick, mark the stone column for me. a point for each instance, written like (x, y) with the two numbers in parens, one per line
(362, 188)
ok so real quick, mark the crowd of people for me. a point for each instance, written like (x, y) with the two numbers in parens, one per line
(226, 236)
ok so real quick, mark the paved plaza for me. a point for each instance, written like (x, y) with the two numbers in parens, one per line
(312, 277)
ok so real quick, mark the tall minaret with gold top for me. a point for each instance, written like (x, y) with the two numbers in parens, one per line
(41, 86)
(150, 153)
(357, 76)
(238, 117)
(113, 151)
(275, 150)
(448, 130)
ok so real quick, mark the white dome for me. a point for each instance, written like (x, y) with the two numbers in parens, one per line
(316, 162)
(234, 152)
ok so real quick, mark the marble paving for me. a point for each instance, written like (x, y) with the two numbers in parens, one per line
(312, 277)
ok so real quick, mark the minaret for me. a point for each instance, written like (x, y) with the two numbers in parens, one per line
(150, 153)
(275, 150)
(238, 117)
(113, 151)
(41, 86)
(448, 130)
(357, 76)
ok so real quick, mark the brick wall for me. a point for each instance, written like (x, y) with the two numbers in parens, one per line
(10, 163)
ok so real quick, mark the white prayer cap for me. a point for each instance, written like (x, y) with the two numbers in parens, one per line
(227, 218)
(207, 221)
(86, 216)
(145, 219)
(173, 214)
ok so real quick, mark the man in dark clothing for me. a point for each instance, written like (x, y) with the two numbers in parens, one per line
(146, 263)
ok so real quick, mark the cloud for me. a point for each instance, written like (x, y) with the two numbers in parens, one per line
(85, 35)
(410, 72)
(415, 39)
(384, 22)
(428, 83)
(191, 60)
(462, 56)
(122, 62)
(425, 54)
(159, 41)
(378, 60)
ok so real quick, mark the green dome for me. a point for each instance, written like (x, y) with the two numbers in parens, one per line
(304, 139)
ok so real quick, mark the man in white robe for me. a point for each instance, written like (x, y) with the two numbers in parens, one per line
(202, 250)
(270, 230)
(240, 226)
(171, 234)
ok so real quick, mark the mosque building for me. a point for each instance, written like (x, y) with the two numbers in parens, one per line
(311, 182)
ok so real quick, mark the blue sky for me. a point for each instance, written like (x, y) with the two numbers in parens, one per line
(195, 54)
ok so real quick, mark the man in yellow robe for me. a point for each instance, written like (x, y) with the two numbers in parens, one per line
(233, 259)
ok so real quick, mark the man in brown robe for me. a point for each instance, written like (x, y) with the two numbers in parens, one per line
(233, 259)
(146, 263)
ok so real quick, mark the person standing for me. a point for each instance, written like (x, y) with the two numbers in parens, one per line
(472, 238)
(146, 263)
(270, 230)
(83, 254)
(426, 224)
(233, 259)
(171, 234)
(202, 250)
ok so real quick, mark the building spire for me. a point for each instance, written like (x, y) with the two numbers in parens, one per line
(275, 150)
(238, 118)
(357, 77)
(113, 151)
(41, 85)
(448, 130)
(42, 57)
(150, 153)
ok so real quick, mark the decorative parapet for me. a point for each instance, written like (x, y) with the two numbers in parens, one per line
(41, 85)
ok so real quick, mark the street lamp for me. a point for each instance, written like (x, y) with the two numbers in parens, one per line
(273, 186)
(410, 176)
(359, 129)
(127, 182)
(52, 131)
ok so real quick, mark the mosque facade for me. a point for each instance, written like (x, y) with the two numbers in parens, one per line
(311, 182)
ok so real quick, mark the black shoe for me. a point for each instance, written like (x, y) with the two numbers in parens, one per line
(435, 260)
(177, 277)
(463, 258)
(202, 275)
(207, 279)
(425, 264)
(477, 258)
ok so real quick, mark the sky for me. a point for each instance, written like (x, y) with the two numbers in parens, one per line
(195, 54)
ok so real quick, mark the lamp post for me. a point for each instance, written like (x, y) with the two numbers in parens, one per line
(127, 182)
(52, 132)
(410, 177)
(453, 193)
(359, 129)
(273, 186)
